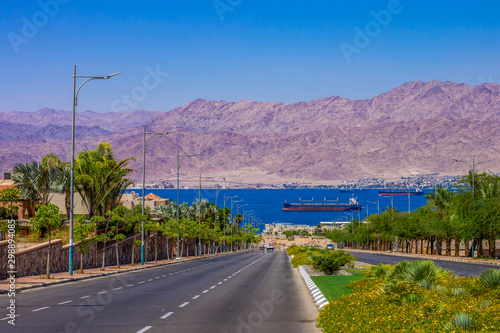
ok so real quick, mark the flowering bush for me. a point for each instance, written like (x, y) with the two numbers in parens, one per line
(412, 306)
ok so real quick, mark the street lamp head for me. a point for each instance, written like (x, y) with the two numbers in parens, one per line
(111, 75)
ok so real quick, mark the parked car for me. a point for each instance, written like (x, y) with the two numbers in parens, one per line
(330, 246)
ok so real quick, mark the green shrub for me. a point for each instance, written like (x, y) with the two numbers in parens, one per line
(491, 278)
(330, 261)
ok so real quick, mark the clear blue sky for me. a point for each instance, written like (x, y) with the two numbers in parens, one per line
(281, 51)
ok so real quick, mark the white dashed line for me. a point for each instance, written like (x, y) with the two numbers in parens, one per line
(166, 315)
(156, 278)
(83, 297)
(102, 292)
(8, 318)
(219, 283)
(212, 287)
(144, 329)
(171, 274)
(65, 302)
(40, 309)
(141, 282)
(118, 288)
(130, 285)
(150, 280)
(195, 297)
(183, 304)
(163, 275)
(225, 279)
(205, 291)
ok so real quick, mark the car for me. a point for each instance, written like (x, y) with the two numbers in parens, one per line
(330, 246)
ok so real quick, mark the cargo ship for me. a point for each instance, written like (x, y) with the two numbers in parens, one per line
(311, 206)
(400, 192)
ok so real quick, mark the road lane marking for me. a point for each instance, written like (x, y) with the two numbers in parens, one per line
(225, 279)
(118, 288)
(166, 315)
(171, 274)
(205, 291)
(141, 282)
(144, 329)
(130, 285)
(83, 297)
(219, 283)
(40, 309)
(65, 302)
(8, 318)
(212, 287)
(163, 275)
(102, 292)
(183, 304)
(156, 278)
(195, 297)
(150, 280)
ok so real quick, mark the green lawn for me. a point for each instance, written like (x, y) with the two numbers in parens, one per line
(333, 287)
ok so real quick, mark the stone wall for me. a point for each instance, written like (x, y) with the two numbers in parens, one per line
(33, 261)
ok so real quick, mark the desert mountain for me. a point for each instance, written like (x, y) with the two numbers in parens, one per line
(417, 126)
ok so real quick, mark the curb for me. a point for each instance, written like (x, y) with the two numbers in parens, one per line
(75, 279)
(318, 296)
(412, 255)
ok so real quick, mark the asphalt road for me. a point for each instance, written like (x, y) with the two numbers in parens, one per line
(460, 268)
(244, 292)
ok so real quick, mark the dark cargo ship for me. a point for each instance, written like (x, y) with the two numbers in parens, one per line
(400, 192)
(353, 205)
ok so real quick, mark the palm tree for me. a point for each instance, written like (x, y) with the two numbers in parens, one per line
(442, 200)
(100, 179)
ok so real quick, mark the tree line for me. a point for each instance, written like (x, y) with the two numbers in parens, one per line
(460, 216)
(101, 180)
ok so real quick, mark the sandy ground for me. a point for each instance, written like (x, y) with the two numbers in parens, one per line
(314, 241)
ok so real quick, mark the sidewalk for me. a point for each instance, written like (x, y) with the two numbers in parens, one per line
(432, 257)
(35, 281)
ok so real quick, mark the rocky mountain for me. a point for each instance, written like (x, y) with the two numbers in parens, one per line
(417, 126)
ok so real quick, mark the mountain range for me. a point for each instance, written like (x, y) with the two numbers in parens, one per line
(416, 127)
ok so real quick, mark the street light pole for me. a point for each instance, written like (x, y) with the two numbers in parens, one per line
(178, 204)
(217, 191)
(199, 217)
(144, 145)
(72, 190)
(224, 232)
(238, 224)
(473, 172)
(232, 202)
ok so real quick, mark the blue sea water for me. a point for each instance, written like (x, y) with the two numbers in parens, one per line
(267, 204)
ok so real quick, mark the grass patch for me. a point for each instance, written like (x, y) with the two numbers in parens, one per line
(333, 287)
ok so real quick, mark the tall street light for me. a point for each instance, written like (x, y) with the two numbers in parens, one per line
(238, 223)
(144, 145)
(233, 202)
(199, 216)
(473, 172)
(224, 232)
(217, 191)
(179, 160)
(378, 212)
(75, 103)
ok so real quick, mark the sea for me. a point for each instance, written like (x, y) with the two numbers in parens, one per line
(267, 204)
